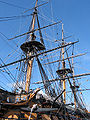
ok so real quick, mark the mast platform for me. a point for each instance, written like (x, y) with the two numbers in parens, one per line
(63, 71)
(30, 45)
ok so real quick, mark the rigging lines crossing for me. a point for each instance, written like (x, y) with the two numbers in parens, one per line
(38, 54)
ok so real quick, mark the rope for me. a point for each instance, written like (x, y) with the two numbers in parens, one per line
(10, 4)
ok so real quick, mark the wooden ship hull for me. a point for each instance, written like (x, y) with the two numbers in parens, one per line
(39, 107)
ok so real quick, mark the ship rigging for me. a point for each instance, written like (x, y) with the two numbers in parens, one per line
(49, 100)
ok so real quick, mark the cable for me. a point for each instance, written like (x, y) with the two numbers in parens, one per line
(14, 50)
(10, 4)
(3, 82)
(2, 87)
(7, 39)
(13, 17)
(9, 73)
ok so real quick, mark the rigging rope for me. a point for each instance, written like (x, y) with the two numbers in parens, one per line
(13, 5)
(9, 73)
(2, 19)
(49, 90)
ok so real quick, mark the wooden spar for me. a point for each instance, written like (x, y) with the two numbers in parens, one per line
(65, 58)
(63, 67)
(30, 62)
(28, 76)
(53, 80)
(35, 7)
(59, 95)
(5, 65)
(35, 30)
(63, 38)
(78, 90)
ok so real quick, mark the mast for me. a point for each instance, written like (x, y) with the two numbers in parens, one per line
(63, 67)
(73, 79)
(30, 62)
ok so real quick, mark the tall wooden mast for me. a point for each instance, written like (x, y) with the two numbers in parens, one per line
(63, 67)
(30, 62)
